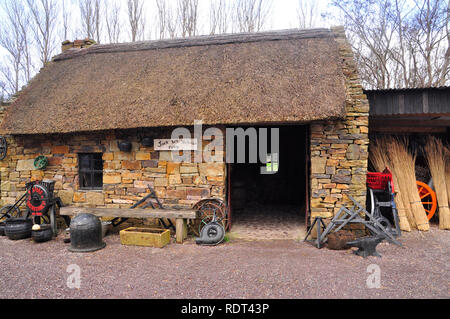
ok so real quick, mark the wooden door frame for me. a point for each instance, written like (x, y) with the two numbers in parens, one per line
(307, 175)
(307, 143)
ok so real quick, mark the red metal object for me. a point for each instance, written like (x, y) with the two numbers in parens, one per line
(428, 198)
(379, 181)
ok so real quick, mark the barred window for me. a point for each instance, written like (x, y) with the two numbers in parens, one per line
(90, 170)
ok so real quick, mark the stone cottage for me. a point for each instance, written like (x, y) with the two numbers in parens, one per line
(90, 97)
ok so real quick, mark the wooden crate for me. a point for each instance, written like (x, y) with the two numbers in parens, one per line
(150, 237)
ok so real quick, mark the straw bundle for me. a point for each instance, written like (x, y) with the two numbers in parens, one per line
(380, 160)
(435, 155)
(404, 165)
(447, 173)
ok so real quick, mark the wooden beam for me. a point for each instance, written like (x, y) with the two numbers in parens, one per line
(408, 122)
(408, 129)
(131, 213)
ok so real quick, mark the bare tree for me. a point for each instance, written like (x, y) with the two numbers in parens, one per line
(167, 20)
(187, 17)
(113, 21)
(372, 36)
(45, 15)
(219, 16)
(399, 45)
(251, 15)
(430, 28)
(162, 17)
(16, 67)
(136, 19)
(307, 14)
(90, 18)
(97, 19)
(65, 20)
(3, 96)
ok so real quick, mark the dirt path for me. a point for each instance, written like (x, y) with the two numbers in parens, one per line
(260, 269)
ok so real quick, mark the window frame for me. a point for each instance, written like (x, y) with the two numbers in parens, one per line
(91, 171)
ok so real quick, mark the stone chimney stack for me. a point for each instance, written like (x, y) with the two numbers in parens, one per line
(77, 44)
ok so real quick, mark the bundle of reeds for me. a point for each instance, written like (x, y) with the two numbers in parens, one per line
(447, 173)
(435, 153)
(404, 166)
(380, 160)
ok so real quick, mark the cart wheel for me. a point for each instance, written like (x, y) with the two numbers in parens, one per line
(428, 197)
(53, 224)
(207, 209)
(15, 212)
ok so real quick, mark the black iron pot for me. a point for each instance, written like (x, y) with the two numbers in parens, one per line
(147, 142)
(2, 229)
(45, 233)
(86, 233)
(124, 146)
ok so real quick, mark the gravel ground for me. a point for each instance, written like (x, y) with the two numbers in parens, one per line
(237, 269)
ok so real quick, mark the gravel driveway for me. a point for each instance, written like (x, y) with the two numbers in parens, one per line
(238, 269)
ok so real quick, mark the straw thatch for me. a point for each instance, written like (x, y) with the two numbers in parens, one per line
(273, 77)
(380, 160)
(404, 164)
(435, 155)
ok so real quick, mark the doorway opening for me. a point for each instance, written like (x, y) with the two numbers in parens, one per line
(272, 206)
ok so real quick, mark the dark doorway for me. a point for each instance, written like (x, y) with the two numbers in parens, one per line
(272, 203)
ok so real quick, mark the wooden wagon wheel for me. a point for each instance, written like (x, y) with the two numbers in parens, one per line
(207, 209)
(9, 211)
(428, 197)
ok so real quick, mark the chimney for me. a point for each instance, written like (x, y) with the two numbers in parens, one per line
(77, 44)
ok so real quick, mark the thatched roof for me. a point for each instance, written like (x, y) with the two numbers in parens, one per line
(271, 77)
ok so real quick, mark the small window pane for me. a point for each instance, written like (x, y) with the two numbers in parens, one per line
(84, 180)
(98, 164)
(91, 170)
(97, 180)
(84, 162)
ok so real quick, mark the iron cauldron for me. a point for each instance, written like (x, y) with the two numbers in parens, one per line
(86, 233)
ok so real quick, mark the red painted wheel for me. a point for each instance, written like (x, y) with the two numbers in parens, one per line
(428, 197)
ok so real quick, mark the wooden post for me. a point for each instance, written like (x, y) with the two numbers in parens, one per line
(181, 230)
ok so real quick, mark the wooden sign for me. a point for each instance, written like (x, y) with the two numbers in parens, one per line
(181, 144)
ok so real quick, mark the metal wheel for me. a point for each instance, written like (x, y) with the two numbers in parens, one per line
(48, 219)
(207, 208)
(428, 198)
(53, 224)
(9, 211)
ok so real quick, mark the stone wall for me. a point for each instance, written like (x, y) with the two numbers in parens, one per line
(339, 149)
(125, 175)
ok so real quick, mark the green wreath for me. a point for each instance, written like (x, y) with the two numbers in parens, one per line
(40, 162)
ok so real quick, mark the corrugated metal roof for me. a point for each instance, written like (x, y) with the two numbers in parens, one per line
(410, 101)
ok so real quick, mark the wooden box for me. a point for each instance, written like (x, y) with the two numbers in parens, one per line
(150, 237)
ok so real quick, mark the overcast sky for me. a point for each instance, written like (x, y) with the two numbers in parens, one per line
(283, 14)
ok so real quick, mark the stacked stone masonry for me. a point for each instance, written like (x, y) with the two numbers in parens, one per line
(339, 148)
(126, 175)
